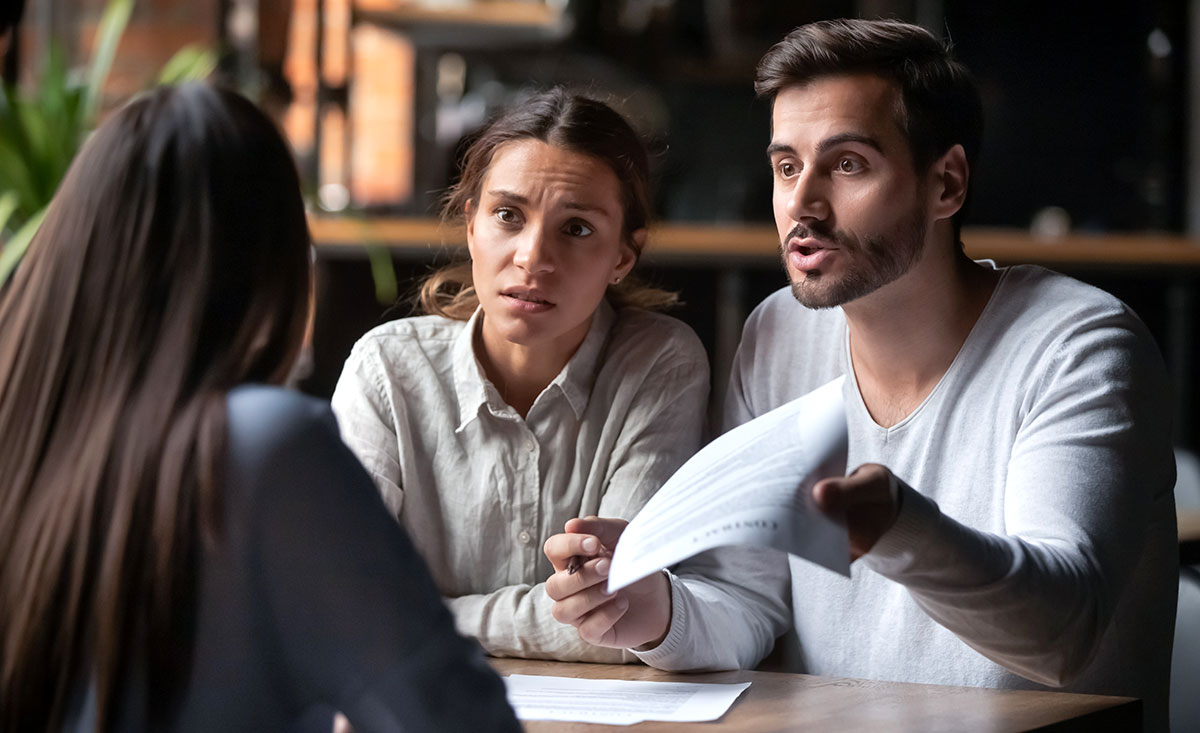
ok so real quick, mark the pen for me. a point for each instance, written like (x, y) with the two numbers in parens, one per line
(574, 564)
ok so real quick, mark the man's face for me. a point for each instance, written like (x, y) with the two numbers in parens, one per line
(848, 204)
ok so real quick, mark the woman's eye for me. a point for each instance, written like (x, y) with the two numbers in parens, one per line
(578, 229)
(508, 216)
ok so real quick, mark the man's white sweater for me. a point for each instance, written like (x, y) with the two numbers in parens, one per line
(1036, 543)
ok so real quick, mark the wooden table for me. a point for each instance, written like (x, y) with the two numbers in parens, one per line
(1189, 536)
(777, 701)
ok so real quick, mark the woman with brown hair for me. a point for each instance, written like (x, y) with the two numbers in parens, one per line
(541, 387)
(181, 548)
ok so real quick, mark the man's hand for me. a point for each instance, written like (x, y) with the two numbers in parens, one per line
(868, 500)
(638, 615)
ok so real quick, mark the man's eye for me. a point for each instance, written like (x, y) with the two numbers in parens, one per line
(578, 229)
(848, 165)
(787, 170)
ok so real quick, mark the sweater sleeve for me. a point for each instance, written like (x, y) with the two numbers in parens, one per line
(354, 614)
(1088, 477)
(664, 422)
(728, 605)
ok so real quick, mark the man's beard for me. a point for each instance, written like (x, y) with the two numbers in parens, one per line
(870, 263)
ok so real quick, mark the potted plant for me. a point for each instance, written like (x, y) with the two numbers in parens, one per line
(41, 129)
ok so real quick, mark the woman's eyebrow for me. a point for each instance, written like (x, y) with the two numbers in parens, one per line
(501, 193)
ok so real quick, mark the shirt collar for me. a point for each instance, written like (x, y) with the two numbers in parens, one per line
(575, 381)
(578, 376)
(470, 384)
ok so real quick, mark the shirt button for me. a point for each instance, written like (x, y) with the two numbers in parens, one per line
(531, 445)
(525, 537)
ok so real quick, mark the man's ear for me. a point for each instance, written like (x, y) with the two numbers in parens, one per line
(949, 177)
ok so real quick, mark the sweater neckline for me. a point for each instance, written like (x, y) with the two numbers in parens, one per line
(968, 346)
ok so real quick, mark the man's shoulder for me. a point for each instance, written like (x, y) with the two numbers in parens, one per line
(1033, 299)
(1037, 290)
(1041, 323)
(786, 351)
(781, 322)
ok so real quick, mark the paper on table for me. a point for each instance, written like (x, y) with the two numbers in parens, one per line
(744, 489)
(618, 702)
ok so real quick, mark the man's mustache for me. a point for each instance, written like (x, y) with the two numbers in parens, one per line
(818, 232)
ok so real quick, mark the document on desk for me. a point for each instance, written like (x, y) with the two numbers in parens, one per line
(618, 702)
(751, 486)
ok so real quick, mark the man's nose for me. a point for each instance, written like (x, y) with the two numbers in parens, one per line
(809, 198)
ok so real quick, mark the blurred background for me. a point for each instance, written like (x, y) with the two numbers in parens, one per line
(1086, 163)
(1089, 164)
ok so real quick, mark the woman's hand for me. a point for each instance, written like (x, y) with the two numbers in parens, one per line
(638, 615)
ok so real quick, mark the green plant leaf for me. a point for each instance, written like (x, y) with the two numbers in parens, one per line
(189, 63)
(42, 129)
(15, 248)
(108, 37)
(382, 272)
(8, 204)
(15, 173)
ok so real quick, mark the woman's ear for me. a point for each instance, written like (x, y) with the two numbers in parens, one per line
(950, 176)
(469, 218)
(629, 254)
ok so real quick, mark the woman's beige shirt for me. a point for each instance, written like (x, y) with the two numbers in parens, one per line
(480, 489)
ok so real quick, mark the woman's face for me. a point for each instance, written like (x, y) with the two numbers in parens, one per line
(545, 241)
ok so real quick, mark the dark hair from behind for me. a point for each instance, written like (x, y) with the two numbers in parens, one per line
(572, 122)
(941, 101)
(172, 266)
(10, 14)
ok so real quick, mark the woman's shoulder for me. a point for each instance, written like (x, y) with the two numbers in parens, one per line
(422, 332)
(281, 440)
(656, 336)
(406, 350)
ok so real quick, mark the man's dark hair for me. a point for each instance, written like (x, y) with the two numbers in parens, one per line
(940, 100)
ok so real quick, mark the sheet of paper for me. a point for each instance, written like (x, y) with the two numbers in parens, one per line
(751, 486)
(618, 702)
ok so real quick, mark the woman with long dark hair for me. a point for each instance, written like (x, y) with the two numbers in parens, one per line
(542, 385)
(181, 545)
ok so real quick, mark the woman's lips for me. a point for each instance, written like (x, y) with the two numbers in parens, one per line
(526, 301)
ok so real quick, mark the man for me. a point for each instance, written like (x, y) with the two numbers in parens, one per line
(1012, 508)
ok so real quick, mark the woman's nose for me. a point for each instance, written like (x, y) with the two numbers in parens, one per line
(534, 252)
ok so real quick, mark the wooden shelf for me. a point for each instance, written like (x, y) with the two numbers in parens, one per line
(759, 243)
(495, 13)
